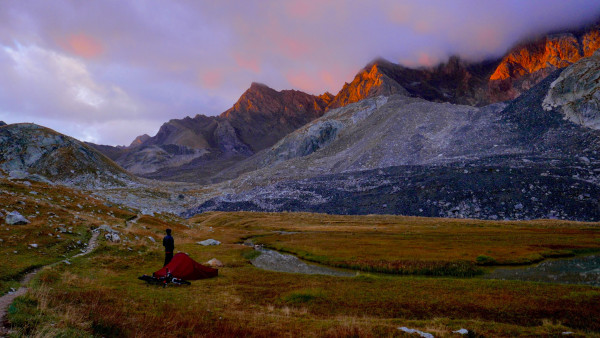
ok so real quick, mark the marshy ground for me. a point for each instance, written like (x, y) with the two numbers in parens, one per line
(420, 273)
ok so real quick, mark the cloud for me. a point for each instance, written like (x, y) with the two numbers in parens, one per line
(111, 70)
(84, 45)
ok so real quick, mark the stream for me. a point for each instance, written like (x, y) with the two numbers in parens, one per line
(275, 261)
(579, 270)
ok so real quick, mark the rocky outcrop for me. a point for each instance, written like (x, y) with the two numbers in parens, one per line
(37, 150)
(262, 116)
(371, 81)
(2, 123)
(529, 63)
(577, 93)
(139, 140)
(455, 81)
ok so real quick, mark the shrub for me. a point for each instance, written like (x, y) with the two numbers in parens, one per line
(485, 260)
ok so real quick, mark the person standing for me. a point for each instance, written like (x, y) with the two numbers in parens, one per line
(169, 245)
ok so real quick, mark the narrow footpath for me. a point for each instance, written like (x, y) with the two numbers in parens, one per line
(8, 298)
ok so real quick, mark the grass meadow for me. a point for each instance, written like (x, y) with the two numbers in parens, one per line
(415, 272)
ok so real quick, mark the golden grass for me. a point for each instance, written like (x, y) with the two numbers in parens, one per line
(100, 295)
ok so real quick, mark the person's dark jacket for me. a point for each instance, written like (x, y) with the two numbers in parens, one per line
(169, 243)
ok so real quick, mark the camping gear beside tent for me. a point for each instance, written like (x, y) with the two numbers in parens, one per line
(184, 267)
(164, 281)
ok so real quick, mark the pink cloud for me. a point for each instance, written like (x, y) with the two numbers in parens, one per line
(302, 80)
(212, 79)
(84, 45)
(301, 9)
(246, 63)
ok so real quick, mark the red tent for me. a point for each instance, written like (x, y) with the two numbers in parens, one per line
(182, 266)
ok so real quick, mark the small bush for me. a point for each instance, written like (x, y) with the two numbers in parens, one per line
(485, 260)
(304, 296)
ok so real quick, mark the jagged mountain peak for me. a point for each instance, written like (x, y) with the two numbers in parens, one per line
(138, 141)
(373, 80)
(531, 61)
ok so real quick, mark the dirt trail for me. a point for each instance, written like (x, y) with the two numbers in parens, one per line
(8, 298)
(132, 221)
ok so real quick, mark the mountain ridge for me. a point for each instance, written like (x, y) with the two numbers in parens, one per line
(35, 152)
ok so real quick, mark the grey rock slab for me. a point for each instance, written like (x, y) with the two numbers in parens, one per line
(209, 242)
(15, 218)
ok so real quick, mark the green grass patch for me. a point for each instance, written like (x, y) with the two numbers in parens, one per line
(23, 313)
(250, 254)
(304, 296)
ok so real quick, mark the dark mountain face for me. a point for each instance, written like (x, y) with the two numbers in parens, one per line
(2, 123)
(262, 116)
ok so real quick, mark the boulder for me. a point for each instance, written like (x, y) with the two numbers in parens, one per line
(106, 228)
(15, 218)
(215, 263)
(209, 242)
(113, 237)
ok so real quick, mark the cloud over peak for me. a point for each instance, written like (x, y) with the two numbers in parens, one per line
(106, 66)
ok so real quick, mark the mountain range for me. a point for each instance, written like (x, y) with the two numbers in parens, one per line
(515, 137)
(198, 149)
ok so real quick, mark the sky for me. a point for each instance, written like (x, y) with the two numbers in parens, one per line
(108, 71)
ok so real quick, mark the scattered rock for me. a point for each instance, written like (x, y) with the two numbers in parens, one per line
(215, 263)
(113, 237)
(147, 212)
(152, 239)
(518, 206)
(17, 174)
(461, 331)
(411, 331)
(33, 245)
(106, 228)
(209, 242)
(15, 218)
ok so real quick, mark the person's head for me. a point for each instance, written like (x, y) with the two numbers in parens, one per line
(168, 231)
